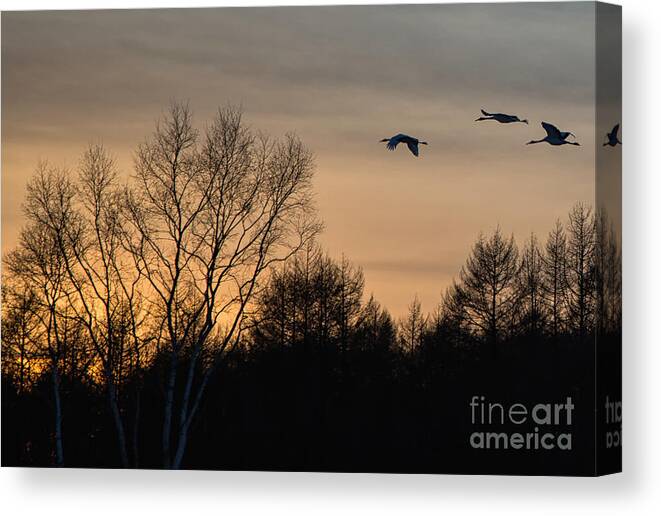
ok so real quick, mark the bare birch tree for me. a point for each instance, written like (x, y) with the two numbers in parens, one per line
(39, 264)
(83, 221)
(210, 214)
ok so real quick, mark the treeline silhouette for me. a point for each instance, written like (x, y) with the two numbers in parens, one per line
(189, 319)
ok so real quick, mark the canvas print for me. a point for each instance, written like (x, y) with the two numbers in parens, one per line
(343, 238)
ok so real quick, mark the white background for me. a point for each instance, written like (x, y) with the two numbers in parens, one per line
(636, 491)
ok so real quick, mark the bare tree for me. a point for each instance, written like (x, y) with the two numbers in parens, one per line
(38, 264)
(412, 327)
(312, 300)
(103, 292)
(326, 288)
(580, 269)
(20, 330)
(210, 214)
(351, 285)
(554, 283)
(454, 314)
(82, 220)
(608, 275)
(488, 286)
(375, 326)
(529, 285)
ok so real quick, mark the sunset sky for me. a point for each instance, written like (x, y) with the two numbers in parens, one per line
(342, 78)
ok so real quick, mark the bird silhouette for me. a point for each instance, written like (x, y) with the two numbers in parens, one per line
(554, 136)
(500, 117)
(410, 141)
(612, 137)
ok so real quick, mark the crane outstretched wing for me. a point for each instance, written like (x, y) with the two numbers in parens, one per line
(392, 143)
(552, 131)
(504, 117)
(485, 113)
(615, 130)
(413, 147)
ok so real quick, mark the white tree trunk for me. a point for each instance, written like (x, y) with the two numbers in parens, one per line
(59, 448)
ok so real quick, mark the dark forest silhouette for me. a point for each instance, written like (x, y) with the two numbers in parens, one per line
(189, 319)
